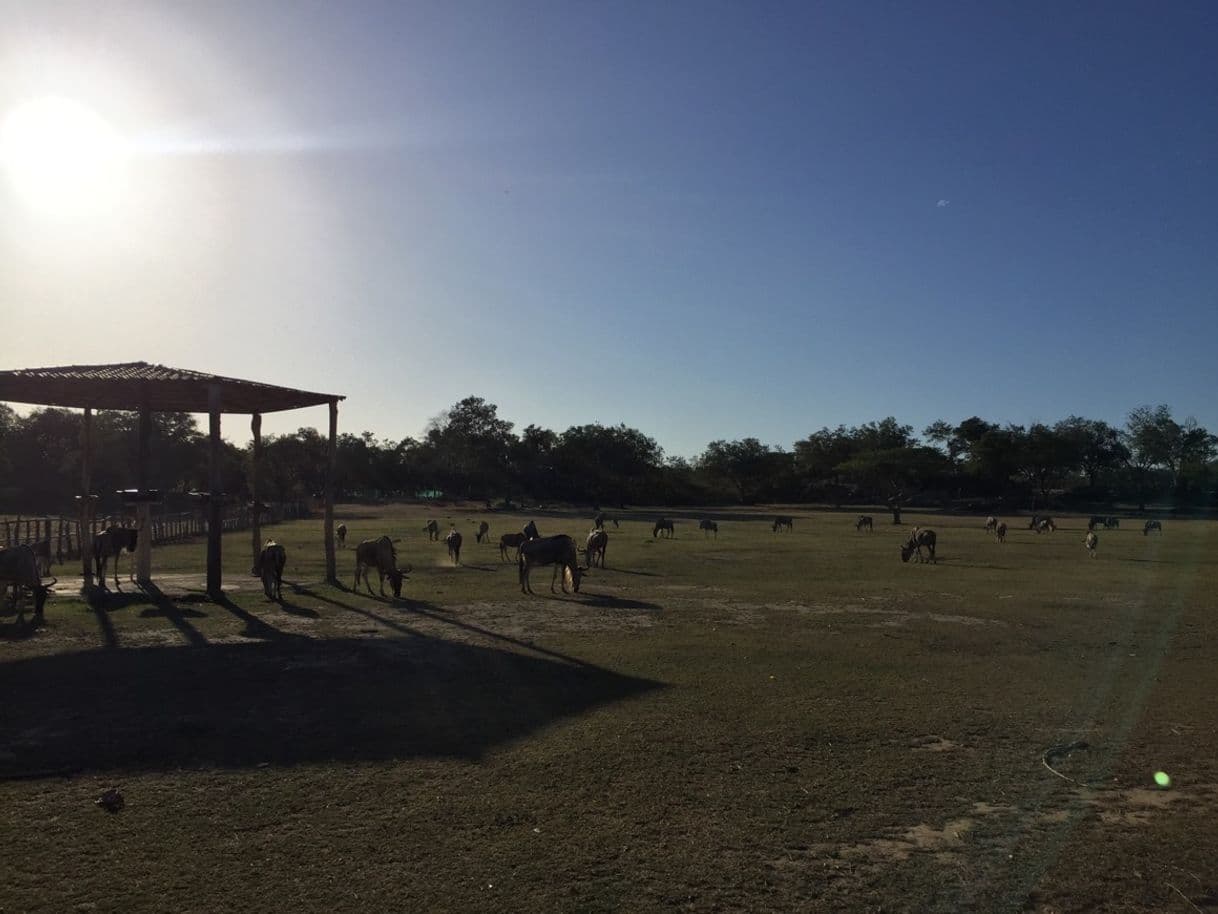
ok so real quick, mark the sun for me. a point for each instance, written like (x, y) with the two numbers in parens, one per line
(60, 154)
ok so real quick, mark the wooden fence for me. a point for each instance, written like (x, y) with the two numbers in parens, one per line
(64, 532)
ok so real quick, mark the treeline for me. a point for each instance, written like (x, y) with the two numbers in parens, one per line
(470, 452)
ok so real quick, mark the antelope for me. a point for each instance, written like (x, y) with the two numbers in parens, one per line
(432, 530)
(271, 562)
(662, 525)
(1152, 525)
(381, 555)
(453, 541)
(708, 527)
(1091, 541)
(991, 524)
(484, 530)
(1001, 531)
(19, 567)
(109, 544)
(510, 541)
(598, 541)
(784, 523)
(919, 538)
(864, 520)
(340, 534)
(558, 551)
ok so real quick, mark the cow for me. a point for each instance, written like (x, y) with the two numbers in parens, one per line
(432, 530)
(663, 525)
(484, 530)
(110, 543)
(558, 551)
(784, 523)
(864, 520)
(453, 542)
(271, 562)
(19, 567)
(1091, 541)
(598, 542)
(919, 538)
(1001, 531)
(379, 554)
(530, 531)
(1152, 525)
(340, 534)
(991, 524)
(708, 527)
(510, 541)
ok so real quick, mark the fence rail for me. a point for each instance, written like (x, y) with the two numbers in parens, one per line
(64, 532)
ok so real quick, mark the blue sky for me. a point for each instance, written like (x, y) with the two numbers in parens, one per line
(705, 220)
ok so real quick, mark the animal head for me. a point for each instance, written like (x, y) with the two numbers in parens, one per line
(907, 549)
(395, 581)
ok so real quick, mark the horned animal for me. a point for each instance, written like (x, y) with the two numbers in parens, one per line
(432, 530)
(453, 542)
(340, 533)
(1091, 541)
(598, 542)
(110, 543)
(784, 523)
(271, 562)
(663, 525)
(558, 551)
(991, 524)
(919, 538)
(708, 527)
(1001, 531)
(864, 520)
(19, 567)
(510, 541)
(379, 554)
(1152, 525)
(484, 530)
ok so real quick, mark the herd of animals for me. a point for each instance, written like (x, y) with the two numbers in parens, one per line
(24, 566)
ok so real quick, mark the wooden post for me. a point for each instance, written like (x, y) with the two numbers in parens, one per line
(143, 510)
(214, 508)
(255, 464)
(86, 503)
(331, 464)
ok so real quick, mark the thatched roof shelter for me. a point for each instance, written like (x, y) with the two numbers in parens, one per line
(146, 388)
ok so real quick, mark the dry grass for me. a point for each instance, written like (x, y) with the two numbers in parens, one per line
(757, 722)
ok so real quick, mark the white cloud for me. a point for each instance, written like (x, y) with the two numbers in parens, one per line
(942, 203)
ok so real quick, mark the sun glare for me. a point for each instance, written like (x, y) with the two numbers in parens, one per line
(60, 154)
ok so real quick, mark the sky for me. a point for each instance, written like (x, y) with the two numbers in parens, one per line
(704, 220)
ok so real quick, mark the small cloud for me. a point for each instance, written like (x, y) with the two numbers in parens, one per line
(942, 203)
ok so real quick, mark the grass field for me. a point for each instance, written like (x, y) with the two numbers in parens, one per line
(757, 722)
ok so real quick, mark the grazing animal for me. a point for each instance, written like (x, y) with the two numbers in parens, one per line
(1001, 531)
(708, 527)
(530, 531)
(19, 567)
(484, 530)
(271, 562)
(432, 530)
(558, 551)
(663, 525)
(340, 533)
(864, 520)
(109, 544)
(379, 554)
(598, 542)
(1091, 541)
(1034, 521)
(1111, 523)
(42, 552)
(784, 523)
(1152, 525)
(510, 541)
(453, 542)
(1045, 525)
(991, 524)
(919, 538)
(1096, 521)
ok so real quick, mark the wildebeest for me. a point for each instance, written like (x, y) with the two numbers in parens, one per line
(1152, 525)
(1096, 520)
(271, 562)
(864, 520)
(1001, 531)
(598, 522)
(558, 551)
(19, 567)
(42, 552)
(919, 538)
(484, 530)
(708, 527)
(432, 530)
(991, 524)
(663, 525)
(1111, 523)
(784, 523)
(598, 542)
(379, 554)
(109, 544)
(510, 541)
(530, 531)
(1045, 525)
(1091, 541)
(340, 534)
(453, 542)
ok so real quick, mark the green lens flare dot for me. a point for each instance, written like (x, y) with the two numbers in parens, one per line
(1162, 779)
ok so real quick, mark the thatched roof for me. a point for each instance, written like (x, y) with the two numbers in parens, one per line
(140, 385)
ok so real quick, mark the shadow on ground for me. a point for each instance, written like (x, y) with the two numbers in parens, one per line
(286, 702)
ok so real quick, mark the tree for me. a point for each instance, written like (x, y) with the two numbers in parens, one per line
(1096, 445)
(476, 445)
(747, 464)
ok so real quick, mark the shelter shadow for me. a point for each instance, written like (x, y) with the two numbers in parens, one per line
(286, 702)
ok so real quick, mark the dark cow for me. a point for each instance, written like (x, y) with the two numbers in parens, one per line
(109, 544)
(1152, 525)
(558, 551)
(663, 525)
(598, 542)
(453, 542)
(484, 531)
(340, 534)
(432, 530)
(784, 523)
(864, 520)
(919, 538)
(381, 555)
(708, 527)
(271, 562)
(19, 567)
(510, 541)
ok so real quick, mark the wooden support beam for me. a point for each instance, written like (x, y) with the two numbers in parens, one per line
(331, 465)
(86, 503)
(255, 466)
(215, 510)
(143, 511)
